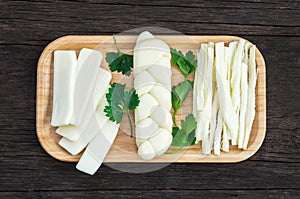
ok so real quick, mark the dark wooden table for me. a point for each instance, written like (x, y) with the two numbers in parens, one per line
(26, 170)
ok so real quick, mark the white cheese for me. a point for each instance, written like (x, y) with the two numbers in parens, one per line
(244, 95)
(98, 148)
(235, 83)
(152, 73)
(87, 133)
(63, 87)
(71, 132)
(89, 63)
(225, 105)
(250, 115)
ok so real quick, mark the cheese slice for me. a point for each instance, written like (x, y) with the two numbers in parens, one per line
(88, 133)
(72, 132)
(98, 148)
(63, 86)
(89, 63)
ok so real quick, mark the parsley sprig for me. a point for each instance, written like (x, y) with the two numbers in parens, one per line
(185, 136)
(119, 102)
(119, 61)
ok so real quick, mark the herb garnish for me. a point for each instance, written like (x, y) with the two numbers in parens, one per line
(119, 61)
(121, 101)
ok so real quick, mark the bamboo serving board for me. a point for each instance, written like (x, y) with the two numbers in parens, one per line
(124, 148)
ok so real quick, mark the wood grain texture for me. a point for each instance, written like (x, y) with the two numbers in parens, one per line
(288, 193)
(124, 148)
(27, 171)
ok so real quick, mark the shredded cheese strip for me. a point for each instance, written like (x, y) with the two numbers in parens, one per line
(225, 105)
(227, 59)
(213, 120)
(202, 101)
(218, 132)
(200, 98)
(244, 94)
(235, 85)
(251, 96)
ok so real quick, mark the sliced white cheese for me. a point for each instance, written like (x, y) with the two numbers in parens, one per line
(200, 93)
(235, 83)
(213, 119)
(244, 96)
(229, 115)
(71, 132)
(98, 148)
(89, 63)
(217, 142)
(86, 134)
(250, 113)
(63, 87)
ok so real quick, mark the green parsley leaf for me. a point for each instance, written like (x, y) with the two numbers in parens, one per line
(185, 136)
(120, 62)
(119, 102)
(186, 63)
(179, 94)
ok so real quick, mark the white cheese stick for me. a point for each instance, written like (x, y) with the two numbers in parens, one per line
(89, 63)
(225, 132)
(86, 134)
(230, 59)
(225, 105)
(225, 139)
(63, 87)
(199, 92)
(213, 119)
(235, 84)
(217, 142)
(152, 80)
(98, 148)
(72, 132)
(244, 94)
(204, 115)
(250, 113)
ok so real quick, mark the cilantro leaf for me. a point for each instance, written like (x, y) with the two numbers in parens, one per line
(179, 94)
(186, 63)
(119, 102)
(119, 61)
(185, 136)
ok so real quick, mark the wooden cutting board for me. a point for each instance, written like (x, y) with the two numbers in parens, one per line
(124, 148)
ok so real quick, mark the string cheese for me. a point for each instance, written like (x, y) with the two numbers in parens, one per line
(152, 80)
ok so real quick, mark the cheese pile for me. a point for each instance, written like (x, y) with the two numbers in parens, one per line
(224, 95)
(78, 103)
